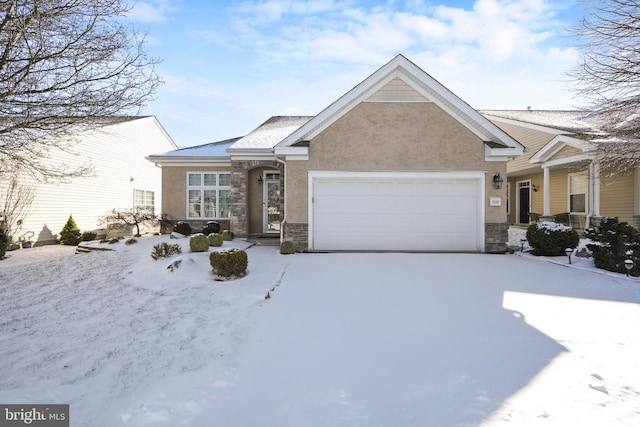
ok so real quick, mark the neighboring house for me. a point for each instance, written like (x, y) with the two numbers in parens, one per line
(398, 163)
(558, 177)
(120, 178)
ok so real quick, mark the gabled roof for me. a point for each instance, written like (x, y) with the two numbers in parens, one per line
(400, 67)
(570, 121)
(268, 134)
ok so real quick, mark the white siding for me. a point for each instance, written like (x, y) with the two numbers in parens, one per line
(117, 156)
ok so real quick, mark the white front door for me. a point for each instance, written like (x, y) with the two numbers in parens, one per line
(271, 202)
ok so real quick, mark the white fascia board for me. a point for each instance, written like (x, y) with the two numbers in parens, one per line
(568, 160)
(493, 154)
(291, 151)
(397, 175)
(527, 125)
(189, 161)
(557, 144)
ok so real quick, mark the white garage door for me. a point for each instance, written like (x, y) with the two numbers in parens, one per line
(402, 212)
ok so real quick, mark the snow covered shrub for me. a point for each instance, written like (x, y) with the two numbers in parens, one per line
(130, 242)
(232, 263)
(199, 243)
(165, 250)
(215, 239)
(551, 238)
(70, 234)
(182, 228)
(211, 227)
(287, 247)
(227, 235)
(88, 236)
(4, 242)
(614, 242)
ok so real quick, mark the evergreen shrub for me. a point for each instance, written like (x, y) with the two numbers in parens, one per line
(4, 243)
(211, 227)
(227, 235)
(165, 250)
(70, 234)
(199, 243)
(614, 242)
(87, 236)
(227, 264)
(551, 239)
(287, 247)
(182, 228)
(215, 239)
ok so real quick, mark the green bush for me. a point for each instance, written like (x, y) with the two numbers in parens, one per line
(614, 242)
(165, 250)
(215, 239)
(211, 227)
(227, 235)
(182, 228)
(232, 263)
(70, 234)
(199, 243)
(88, 236)
(4, 242)
(551, 239)
(287, 247)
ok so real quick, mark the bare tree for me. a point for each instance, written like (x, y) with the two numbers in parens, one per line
(65, 66)
(18, 198)
(608, 77)
(133, 217)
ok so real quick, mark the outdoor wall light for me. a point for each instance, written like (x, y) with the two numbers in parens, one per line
(534, 188)
(569, 251)
(260, 181)
(497, 181)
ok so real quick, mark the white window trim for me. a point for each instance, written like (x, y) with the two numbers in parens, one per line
(202, 188)
(586, 193)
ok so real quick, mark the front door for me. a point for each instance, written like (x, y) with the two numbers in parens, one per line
(524, 201)
(271, 203)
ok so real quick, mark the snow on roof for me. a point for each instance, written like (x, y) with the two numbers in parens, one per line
(212, 149)
(271, 132)
(578, 121)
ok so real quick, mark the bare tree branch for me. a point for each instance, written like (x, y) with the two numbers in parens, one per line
(66, 66)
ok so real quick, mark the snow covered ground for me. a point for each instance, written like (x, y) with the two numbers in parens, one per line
(345, 339)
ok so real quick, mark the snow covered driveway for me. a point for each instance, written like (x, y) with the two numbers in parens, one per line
(345, 340)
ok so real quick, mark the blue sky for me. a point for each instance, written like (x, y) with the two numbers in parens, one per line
(228, 66)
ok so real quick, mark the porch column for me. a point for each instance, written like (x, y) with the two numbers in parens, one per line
(594, 178)
(546, 210)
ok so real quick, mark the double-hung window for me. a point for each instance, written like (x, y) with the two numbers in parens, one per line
(144, 201)
(578, 185)
(208, 195)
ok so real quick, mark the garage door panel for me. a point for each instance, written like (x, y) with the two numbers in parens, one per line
(395, 214)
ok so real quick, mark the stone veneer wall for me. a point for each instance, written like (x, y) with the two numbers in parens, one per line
(298, 233)
(239, 190)
(496, 236)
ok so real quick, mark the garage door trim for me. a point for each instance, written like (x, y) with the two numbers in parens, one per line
(479, 176)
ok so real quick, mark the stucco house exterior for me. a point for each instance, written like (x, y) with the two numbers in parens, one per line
(398, 163)
(558, 177)
(120, 177)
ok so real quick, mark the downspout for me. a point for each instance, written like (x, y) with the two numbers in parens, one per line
(284, 194)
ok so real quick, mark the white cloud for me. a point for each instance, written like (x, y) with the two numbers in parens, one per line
(153, 11)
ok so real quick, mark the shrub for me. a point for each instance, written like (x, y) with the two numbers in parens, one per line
(551, 239)
(182, 228)
(287, 247)
(130, 242)
(199, 243)
(232, 263)
(614, 243)
(227, 235)
(70, 235)
(211, 227)
(215, 239)
(4, 242)
(88, 236)
(165, 250)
